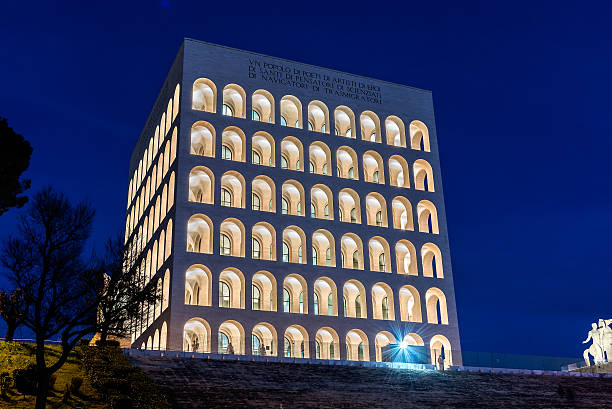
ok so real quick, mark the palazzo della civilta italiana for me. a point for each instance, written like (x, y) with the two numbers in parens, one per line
(289, 210)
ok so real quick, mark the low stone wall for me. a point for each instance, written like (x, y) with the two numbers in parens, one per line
(599, 369)
(211, 383)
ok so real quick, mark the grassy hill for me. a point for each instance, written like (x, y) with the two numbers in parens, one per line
(109, 380)
(17, 356)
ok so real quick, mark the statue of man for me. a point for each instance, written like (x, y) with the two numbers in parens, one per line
(605, 334)
(595, 349)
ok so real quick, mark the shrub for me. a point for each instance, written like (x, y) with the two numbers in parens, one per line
(5, 383)
(121, 402)
(75, 384)
(122, 385)
(25, 380)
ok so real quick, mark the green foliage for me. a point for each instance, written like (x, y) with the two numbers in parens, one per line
(25, 380)
(120, 384)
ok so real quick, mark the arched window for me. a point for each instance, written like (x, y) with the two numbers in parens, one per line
(226, 245)
(317, 350)
(256, 304)
(262, 106)
(284, 206)
(373, 167)
(291, 111)
(330, 305)
(256, 158)
(423, 176)
(255, 202)
(285, 252)
(204, 95)
(201, 182)
(287, 348)
(224, 295)
(358, 306)
(202, 140)
(344, 121)
(385, 308)
(234, 101)
(379, 222)
(318, 117)
(263, 194)
(223, 343)
(226, 197)
(256, 342)
(356, 259)
(346, 162)
(370, 127)
(226, 152)
(256, 249)
(360, 352)
(316, 304)
(301, 302)
(262, 148)
(419, 136)
(396, 134)
(286, 300)
(381, 262)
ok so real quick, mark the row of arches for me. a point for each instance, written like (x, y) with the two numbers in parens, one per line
(162, 203)
(151, 186)
(295, 343)
(154, 258)
(233, 147)
(322, 204)
(234, 103)
(151, 311)
(295, 292)
(322, 251)
(155, 145)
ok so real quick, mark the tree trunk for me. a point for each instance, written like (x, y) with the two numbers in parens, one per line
(42, 389)
(42, 375)
(10, 331)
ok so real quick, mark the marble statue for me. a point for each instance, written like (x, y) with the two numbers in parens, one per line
(601, 349)
(605, 332)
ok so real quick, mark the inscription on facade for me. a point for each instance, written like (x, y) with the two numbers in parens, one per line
(314, 81)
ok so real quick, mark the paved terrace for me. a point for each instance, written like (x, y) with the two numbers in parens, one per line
(214, 383)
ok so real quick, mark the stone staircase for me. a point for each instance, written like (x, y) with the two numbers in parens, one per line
(206, 383)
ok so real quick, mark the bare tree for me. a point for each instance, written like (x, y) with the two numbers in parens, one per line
(67, 294)
(12, 309)
(123, 293)
(45, 261)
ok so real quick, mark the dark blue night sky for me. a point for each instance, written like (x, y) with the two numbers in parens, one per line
(522, 106)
